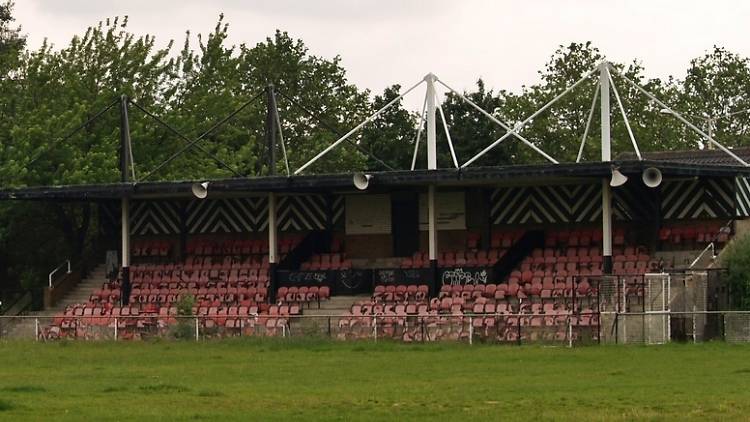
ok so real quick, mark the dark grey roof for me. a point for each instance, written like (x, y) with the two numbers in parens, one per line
(383, 181)
(708, 157)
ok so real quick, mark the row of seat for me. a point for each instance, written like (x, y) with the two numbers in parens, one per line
(301, 295)
(201, 277)
(325, 262)
(469, 258)
(489, 328)
(183, 285)
(695, 233)
(197, 263)
(150, 248)
(219, 246)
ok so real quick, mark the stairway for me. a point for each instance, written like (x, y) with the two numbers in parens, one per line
(336, 305)
(24, 328)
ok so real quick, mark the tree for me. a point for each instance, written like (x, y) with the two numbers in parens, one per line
(737, 263)
(471, 131)
(391, 136)
(12, 42)
(717, 84)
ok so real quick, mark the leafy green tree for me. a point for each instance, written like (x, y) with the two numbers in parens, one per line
(317, 84)
(717, 84)
(559, 129)
(471, 131)
(391, 136)
(737, 263)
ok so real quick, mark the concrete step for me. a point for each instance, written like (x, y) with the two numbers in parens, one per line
(336, 305)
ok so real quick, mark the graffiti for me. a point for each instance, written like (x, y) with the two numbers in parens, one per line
(386, 276)
(415, 275)
(307, 277)
(350, 279)
(458, 276)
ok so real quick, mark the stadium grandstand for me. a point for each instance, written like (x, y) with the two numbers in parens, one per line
(511, 253)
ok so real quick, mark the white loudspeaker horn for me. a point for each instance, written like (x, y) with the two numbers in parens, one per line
(618, 179)
(361, 180)
(652, 177)
(200, 190)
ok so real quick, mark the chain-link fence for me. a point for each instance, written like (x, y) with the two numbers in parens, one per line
(564, 329)
(654, 327)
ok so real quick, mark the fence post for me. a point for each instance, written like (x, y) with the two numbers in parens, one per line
(375, 327)
(197, 333)
(36, 328)
(471, 331)
(116, 327)
(695, 338)
(329, 327)
(518, 322)
(570, 333)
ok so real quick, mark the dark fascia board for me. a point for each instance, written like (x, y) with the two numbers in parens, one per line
(472, 176)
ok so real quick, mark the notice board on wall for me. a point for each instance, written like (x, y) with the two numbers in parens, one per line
(451, 211)
(368, 214)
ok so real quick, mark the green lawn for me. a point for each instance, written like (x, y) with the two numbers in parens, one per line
(278, 380)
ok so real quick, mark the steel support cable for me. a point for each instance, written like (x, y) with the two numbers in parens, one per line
(203, 135)
(185, 138)
(335, 131)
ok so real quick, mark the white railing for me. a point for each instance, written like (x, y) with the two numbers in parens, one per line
(703, 252)
(59, 267)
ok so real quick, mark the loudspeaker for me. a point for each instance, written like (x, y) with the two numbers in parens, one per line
(361, 180)
(652, 177)
(618, 179)
(200, 190)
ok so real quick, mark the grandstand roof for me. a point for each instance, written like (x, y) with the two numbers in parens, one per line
(682, 164)
(707, 157)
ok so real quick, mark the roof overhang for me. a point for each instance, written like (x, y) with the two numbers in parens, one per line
(513, 175)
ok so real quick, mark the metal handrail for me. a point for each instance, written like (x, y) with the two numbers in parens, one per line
(703, 252)
(59, 267)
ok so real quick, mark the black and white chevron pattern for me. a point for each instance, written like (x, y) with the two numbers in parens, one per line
(742, 196)
(585, 202)
(231, 215)
(337, 211)
(546, 204)
(302, 212)
(634, 201)
(154, 218)
(698, 198)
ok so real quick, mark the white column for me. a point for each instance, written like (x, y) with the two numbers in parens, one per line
(606, 157)
(125, 259)
(606, 136)
(432, 222)
(272, 237)
(431, 131)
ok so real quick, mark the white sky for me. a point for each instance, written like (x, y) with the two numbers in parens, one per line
(383, 42)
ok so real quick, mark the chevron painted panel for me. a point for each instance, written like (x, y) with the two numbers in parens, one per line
(230, 215)
(702, 198)
(337, 210)
(546, 204)
(742, 196)
(154, 218)
(302, 212)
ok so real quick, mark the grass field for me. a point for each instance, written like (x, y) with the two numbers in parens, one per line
(277, 380)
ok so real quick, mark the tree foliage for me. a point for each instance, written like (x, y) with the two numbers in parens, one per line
(737, 262)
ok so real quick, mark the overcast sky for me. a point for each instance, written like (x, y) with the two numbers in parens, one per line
(383, 42)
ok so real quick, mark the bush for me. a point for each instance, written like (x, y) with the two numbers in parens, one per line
(737, 263)
(185, 328)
